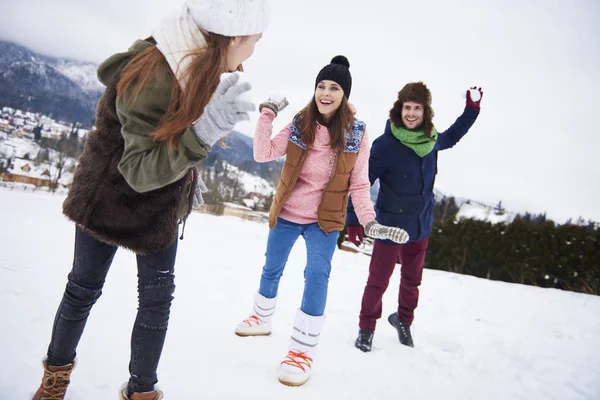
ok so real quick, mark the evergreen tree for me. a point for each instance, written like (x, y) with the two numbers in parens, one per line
(37, 133)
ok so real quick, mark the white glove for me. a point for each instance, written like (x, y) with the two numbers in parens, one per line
(224, 110)
(377, 231)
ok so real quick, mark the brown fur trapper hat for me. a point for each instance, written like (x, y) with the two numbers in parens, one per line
(419, 93)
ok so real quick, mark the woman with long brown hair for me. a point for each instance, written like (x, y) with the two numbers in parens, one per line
(327, 154)
(163, 109)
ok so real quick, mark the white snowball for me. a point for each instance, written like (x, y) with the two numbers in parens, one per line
(475, 95)
(277, 97)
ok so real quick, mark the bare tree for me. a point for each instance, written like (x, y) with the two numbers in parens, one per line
(60, 168)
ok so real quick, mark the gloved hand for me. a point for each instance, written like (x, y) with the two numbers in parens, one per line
(473, 99)
(275, 103)
(200, 188)
(377, 231)
(224, 110)
(355, 234)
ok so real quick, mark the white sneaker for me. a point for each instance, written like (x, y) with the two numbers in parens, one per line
(253, 326)
(295, 369)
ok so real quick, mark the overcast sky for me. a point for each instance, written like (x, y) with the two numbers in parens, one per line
(535, 144)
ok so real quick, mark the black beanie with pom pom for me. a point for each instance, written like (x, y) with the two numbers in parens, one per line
(339, 72)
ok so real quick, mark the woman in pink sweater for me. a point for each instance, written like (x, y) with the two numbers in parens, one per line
(327, 158)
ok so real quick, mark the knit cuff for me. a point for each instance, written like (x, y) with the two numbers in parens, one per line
(209, 137)
(268, 105)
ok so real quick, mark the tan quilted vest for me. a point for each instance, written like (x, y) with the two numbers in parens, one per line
(334, 201)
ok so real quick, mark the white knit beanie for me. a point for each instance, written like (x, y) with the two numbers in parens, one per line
(231, 17)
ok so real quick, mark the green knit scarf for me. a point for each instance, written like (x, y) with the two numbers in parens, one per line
(416, 140)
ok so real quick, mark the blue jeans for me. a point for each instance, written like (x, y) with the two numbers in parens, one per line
(156, 285)
(319, 251)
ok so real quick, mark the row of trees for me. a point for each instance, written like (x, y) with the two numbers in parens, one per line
(531, 250)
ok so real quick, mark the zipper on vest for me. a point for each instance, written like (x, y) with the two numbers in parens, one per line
(294, 180)
(325, 192)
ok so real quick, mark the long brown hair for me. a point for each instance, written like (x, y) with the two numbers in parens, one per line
(340, 123)
(201, 76)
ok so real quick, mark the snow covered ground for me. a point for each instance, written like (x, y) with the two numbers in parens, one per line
(475, 339)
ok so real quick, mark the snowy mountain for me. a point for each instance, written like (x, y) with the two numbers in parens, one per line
(63, 89)
(239, 153)
(84, 74)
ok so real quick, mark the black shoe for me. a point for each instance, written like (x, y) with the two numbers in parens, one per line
(364, 340)
(403, 330)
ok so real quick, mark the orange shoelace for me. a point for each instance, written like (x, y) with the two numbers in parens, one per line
(253, 319)
(298, 360)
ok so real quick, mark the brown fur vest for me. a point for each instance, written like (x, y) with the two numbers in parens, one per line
(103, 203)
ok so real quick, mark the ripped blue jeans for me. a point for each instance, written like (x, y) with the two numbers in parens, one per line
(156, 285)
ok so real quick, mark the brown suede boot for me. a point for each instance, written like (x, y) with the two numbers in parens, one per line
(55, 382)
(155, 395)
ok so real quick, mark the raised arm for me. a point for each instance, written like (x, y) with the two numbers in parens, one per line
(452, 135)
(265, 148)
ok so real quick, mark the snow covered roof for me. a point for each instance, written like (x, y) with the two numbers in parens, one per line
(18, 121)
(23, 167)
(18, 147)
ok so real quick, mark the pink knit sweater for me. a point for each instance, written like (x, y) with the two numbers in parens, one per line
(301, 207)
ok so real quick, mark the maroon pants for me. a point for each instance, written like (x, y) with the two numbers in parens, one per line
(383, 261)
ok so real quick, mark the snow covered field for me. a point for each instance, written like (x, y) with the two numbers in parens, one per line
(475, 339)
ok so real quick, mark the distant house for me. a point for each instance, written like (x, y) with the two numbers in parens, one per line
(22, 133)
(25, 171)
(54, 130)
(253, 199)
(17, 122)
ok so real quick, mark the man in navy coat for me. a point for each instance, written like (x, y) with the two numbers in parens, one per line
(404, 159)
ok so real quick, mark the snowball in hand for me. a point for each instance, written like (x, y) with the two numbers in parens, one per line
(276, 97)
(475, 95)
(246, 96)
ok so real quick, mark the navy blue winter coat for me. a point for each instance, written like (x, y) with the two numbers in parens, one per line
(405, 198)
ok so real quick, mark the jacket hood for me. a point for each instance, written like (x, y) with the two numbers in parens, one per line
(109, 67)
